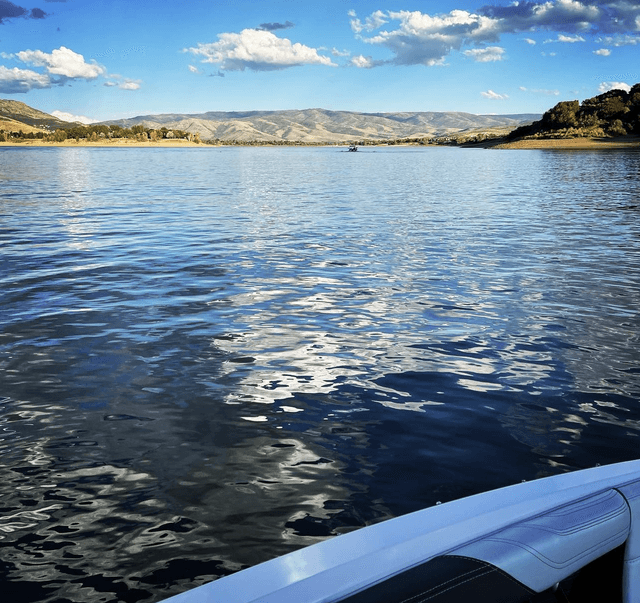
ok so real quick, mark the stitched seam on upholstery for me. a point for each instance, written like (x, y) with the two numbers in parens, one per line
(485, 573)
(469, 573)
(500, 571)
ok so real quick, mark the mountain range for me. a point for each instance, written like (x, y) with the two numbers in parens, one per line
(321, 125)
(307, 126)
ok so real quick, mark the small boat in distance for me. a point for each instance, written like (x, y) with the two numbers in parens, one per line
(353, 148)
(517, 544)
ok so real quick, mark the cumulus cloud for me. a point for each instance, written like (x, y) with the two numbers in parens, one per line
(362, 62)
(603, 52)
(71, 118)
(486, 55)
(257, 50)
(16, 81)
(117, 81)
(561, 15)
(490, 94)
(530, 41)
(570, 39)
(373, 21)
(58, 67)
(129, 85)
(606, 86)
(422, 39)
(193, 69)
(9, 10)
(416, 38)
(63, 62)
(620, 40)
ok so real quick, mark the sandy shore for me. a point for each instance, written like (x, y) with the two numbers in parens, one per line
(621, 142)
(119, 142)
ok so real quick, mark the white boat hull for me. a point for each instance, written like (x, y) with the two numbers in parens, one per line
(536, 533)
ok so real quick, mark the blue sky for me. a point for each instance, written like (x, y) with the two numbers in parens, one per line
(121, 58)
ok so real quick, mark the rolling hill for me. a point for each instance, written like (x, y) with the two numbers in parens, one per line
(306, 126)
(321, 125)
(19, 112)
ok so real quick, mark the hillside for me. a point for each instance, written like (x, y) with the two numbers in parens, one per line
(306, 126)
(19, 112)
(320, 125)
(11, 125)
(613, 114)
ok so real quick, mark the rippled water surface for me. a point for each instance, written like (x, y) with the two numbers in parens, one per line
(210, 357)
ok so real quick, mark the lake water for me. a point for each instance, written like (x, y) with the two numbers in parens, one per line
(213, 356)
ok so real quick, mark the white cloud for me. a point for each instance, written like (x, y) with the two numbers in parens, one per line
(490, 94)
(375, 20)
(70, 117)
(193, 69)
(570, 39)
(485, 55)
(115, 80)
(620, 40)
(57, 68)
(63, 62)
(416, 38)
(606, 86)
(14, 81)
(340, 53)
(558, 15)
(129, 85)
(362, 62)
(257, 50)
(565, 39)
(603, 52)
(422, 39)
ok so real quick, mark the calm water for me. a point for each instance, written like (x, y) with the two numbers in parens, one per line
(210, 357)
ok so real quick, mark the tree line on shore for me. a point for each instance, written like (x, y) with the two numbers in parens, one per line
(139, 133)
(98, 132)
(613, 113)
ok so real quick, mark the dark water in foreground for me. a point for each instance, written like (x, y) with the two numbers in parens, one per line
(210, 357)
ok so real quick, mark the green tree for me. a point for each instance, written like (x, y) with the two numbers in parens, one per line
(116, 131)
(563, 115)
(616, 128)
(100, 129)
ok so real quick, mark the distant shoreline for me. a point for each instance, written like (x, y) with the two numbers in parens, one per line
(120, 142)
(621, 142)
